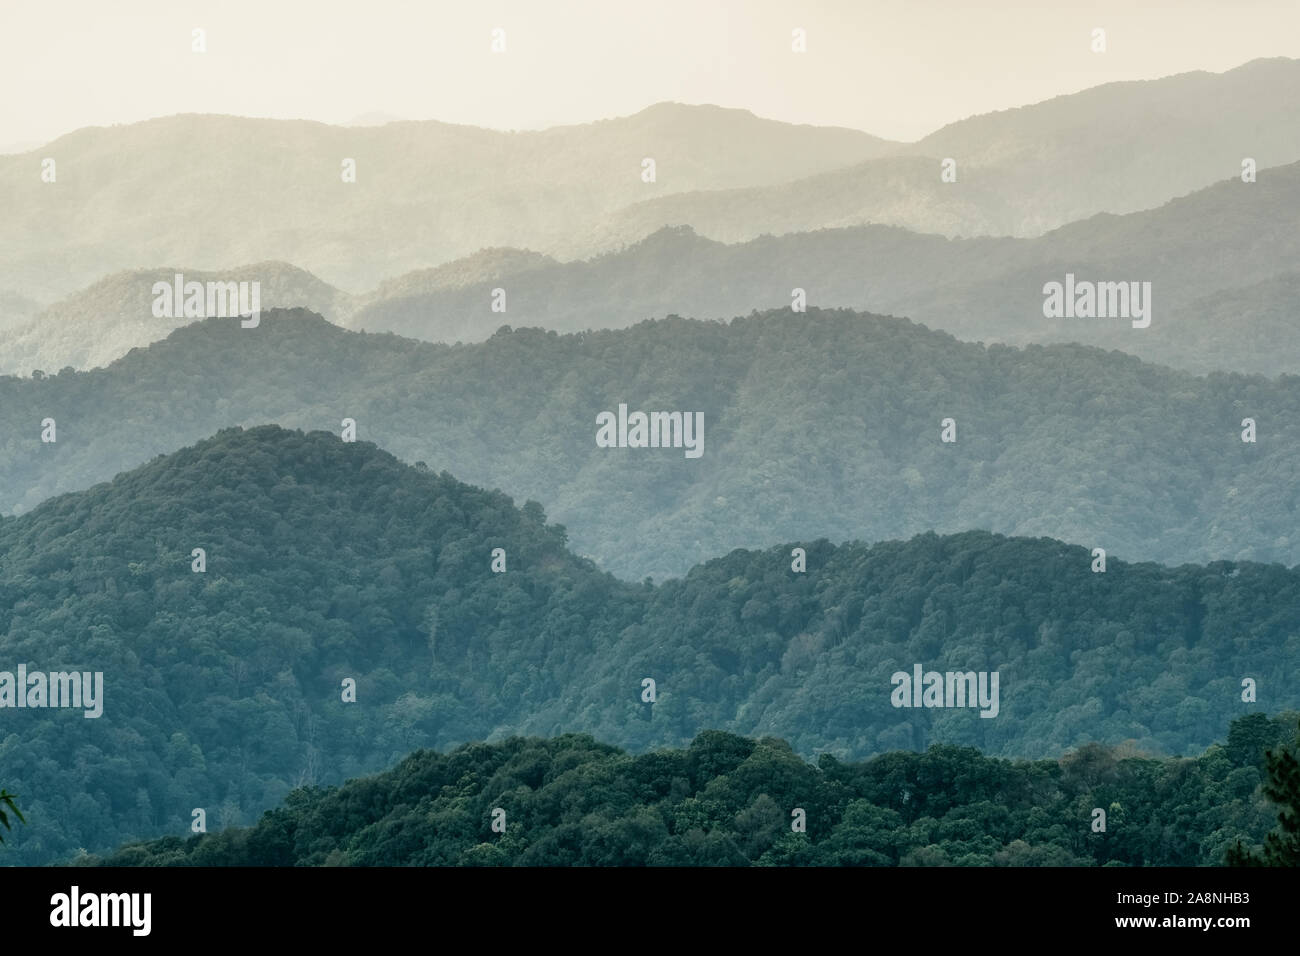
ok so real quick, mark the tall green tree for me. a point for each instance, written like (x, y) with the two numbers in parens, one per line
(1282, 846)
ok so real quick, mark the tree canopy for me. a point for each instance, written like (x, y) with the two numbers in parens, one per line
(733, 801)
(329, 561)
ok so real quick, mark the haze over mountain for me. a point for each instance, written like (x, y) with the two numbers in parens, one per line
(1253, 328)
(226, 190)
(900, 190)
(817, 424)
(1122, 147)
(103, 322)
(1020, 172)
(1221, 263)
(1219, 241)
(16, 309)
(326, 561)
(373, 118)
(641, 439)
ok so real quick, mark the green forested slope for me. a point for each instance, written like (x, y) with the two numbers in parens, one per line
(328, 560)
(824, 424)
(730, 801)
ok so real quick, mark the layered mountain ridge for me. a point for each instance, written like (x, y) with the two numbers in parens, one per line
(328, 563)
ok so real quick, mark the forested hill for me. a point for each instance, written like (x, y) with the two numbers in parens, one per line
(731, 801)
(323, 560)
(821, 424)
(327, 561)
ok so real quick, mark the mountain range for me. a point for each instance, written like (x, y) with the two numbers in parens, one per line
(1019, 172)
(1221, 264)
(825, 423)
(226, 190)
(101, 323)
(294, 553)
(328, 563)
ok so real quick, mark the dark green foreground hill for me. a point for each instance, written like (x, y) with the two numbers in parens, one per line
(731, 801)
(329, 561)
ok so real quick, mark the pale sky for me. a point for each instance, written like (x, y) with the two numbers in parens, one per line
(896, 68)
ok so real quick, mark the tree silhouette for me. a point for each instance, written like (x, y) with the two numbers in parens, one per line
(9, 801)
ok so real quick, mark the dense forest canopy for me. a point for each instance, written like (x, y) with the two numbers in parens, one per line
(825, 424)
(732, 801)
(328, 560)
